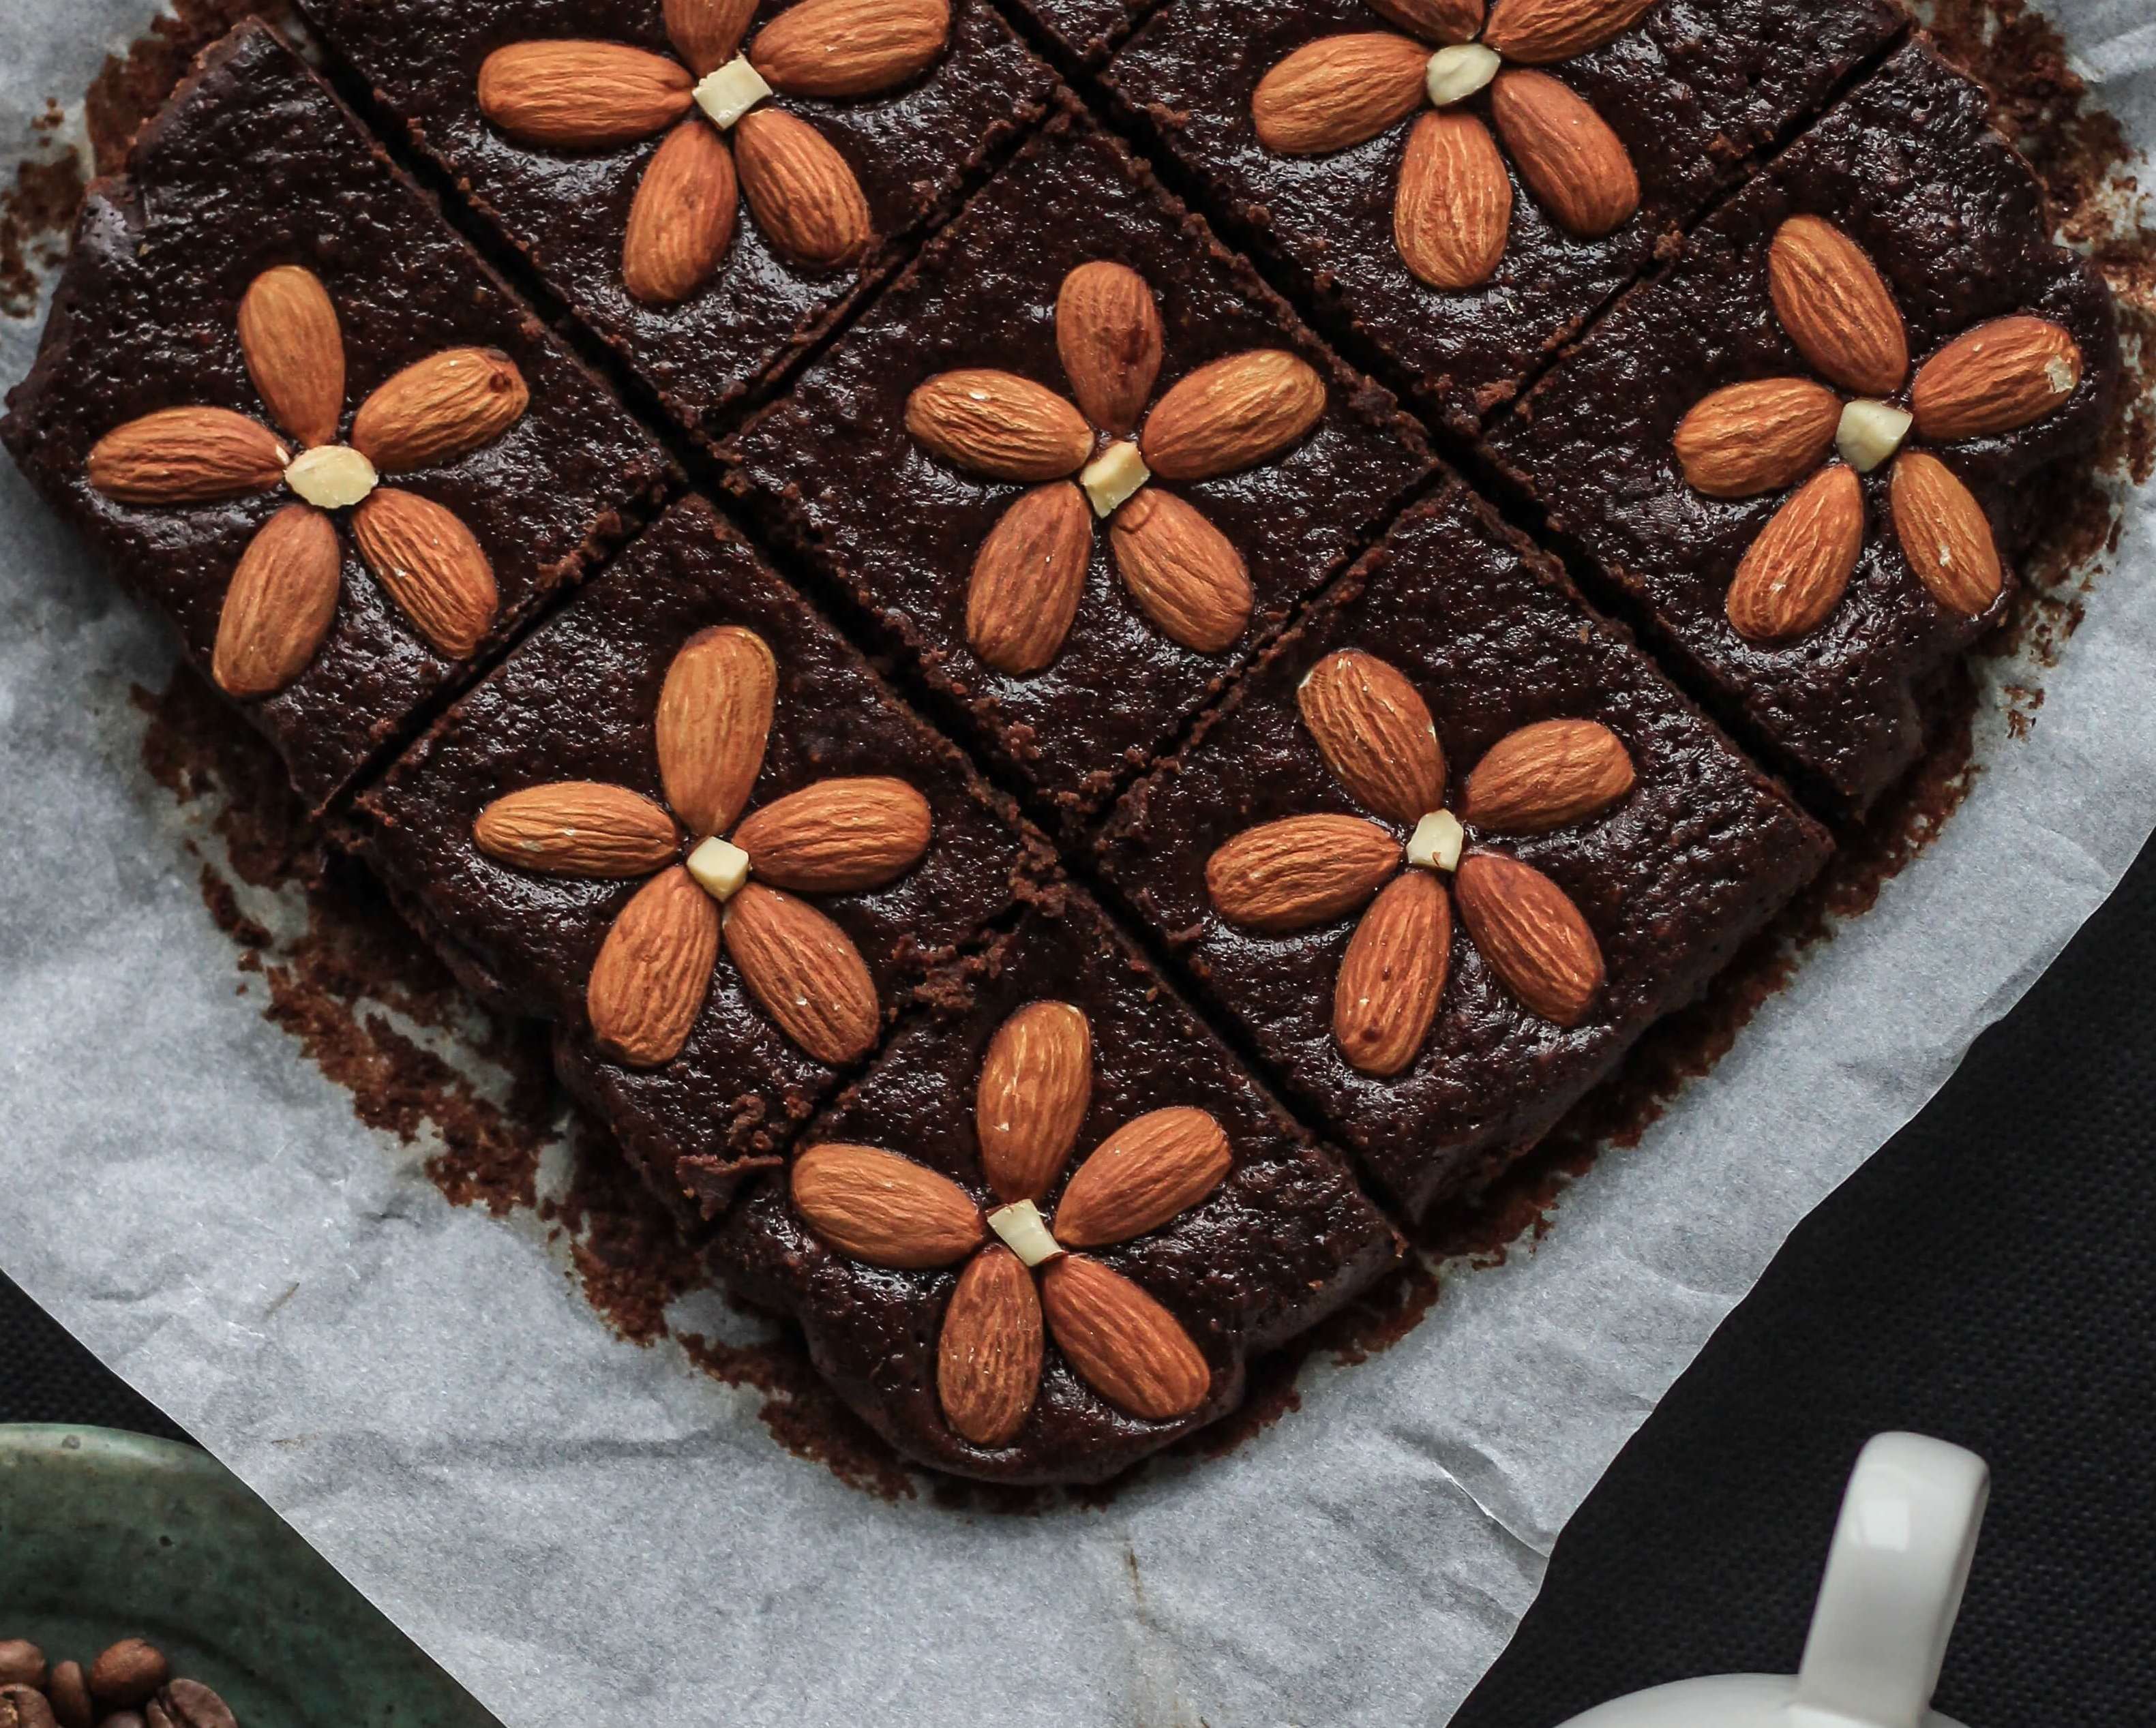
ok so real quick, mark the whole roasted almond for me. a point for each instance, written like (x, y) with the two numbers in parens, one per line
(581, 95)
(1234, 413)
(805, 972)
(998, 424)
(1536, 32)
(837, 836)
(682, 217)
(186, 456)
(1542, 777)
(1576, 167)
(289, 337)
(439, 408)
(1453, 206)
(1532, 935)
(578, 828)
(1182, 571)
(884, 1209)
(1301, 870)
(1943, 534)
(1336, 91)
(1150, 1170)
(1795, 573)
(22, 1664)
(1439, 21)
(1393, 975)
(431, 565)
(707, 33)
(128, 1674)
(714, 721)
(805, 196)
(987, 1361)
(1035, 1082)
(1123, 1343)
(1375, 733)
(1107, 332)
(278, 608)
(1744, 439)
(654, 970)
(1832, 300)
(1027, 579)
(1996, 377)
(849, 48)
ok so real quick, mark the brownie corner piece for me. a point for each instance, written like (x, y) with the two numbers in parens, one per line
(1052, 1082)
(1818, 509)
(1559, 168)
(262, 324)
(686, 822)
(962, 462)
(1449, 847)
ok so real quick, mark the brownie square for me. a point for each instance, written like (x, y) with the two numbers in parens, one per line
(1273, 1235)
(255, 166)
(1691, 90)
(1683, 851)
(577, 702)
(909, 147)
(843, 480)
(1909, 168)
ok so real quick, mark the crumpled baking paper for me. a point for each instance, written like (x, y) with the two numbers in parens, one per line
(580, 1530)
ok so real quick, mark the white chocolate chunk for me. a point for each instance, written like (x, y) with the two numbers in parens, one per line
(729, 92)
(1025, 1233)
(1868, 432)
(1456, 72)
(1435, 843)
(330, 476)
(719, 868)
(1113, 475)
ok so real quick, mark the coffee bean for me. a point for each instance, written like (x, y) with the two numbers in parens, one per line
(123, 1719)
(69, 1693)
(24, 1707)
(21, 1663)
(127, 1674)
(189, 1703)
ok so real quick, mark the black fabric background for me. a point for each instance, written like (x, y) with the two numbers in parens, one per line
(1990, 1277)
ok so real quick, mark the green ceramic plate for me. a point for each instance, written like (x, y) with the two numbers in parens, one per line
(106, 1534)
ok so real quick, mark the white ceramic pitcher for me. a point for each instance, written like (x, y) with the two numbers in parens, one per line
(1887, 1605)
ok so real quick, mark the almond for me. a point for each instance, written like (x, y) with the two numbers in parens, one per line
(850, 48)
(1336, 91)
(714, 721)
(1301, 870)
(578, 828)
(581, 95)
(886, 1210)
(430, 565)
(1027, 579)
(1744, 439)
(1235, 413)
(439, 408)
(805, 972)
(806, 198)
(1035, 1082)
(1393, 975)
(707, 33)
(1454, 207)
(1375, 733)
(186, 456)
(294, 354)
(1535, 32)
(1542, 777)
(682, 218)
(1995, 378)
(1107, 332)
(987, 1362)
(1440, 21)
(1832, 300)
(654, 970)
(1532, 935)
(1152, 1169)
(837, 836)
(998, 424)
(1943, 534)
(1795, 573)
(1572, 161)
(278, 608)
(1122, 1343)
(1182, 571)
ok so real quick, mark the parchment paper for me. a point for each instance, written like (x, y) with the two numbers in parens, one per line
(583, 1531)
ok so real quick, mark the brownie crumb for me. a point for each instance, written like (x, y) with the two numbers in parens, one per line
(132, 86)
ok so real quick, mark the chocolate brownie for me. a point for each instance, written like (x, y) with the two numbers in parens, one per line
(1963, 283)
(1476, 805)
(1086, 31)
(879, 114)
(261, 282)
(941, 462)
(566, 835)
(1605, 147)
(1056, 1093)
